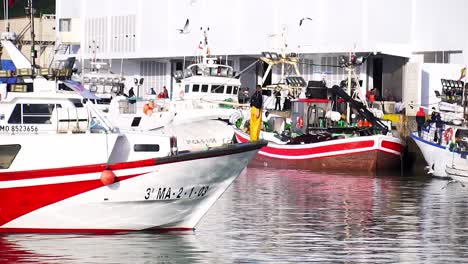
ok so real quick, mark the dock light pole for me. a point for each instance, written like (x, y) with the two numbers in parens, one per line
(138, 82)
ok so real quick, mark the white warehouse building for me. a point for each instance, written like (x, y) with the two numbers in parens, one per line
(399, 38)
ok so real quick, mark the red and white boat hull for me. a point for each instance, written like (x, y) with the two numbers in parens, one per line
(359, 154)
(163, 193)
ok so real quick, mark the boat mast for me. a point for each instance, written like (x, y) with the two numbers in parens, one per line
(205, 49)
(30, 11)
(283, 52)
(464, 99)
(349, 70)
(6, 7)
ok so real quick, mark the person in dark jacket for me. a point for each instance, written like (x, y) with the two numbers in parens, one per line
(439, 124)
(420, 120)
(131, 95)
(278, 100)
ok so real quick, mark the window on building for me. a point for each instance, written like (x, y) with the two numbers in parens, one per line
(451, 56)
(204, 88)
(8, 154)
(65, 25)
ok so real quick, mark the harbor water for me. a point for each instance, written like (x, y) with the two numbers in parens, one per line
(288, 216)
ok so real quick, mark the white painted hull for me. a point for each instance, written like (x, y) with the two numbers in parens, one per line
(74, 199)
(142, 122)
(457, 173)
(199, 135)
(205, 112)
(439, 157)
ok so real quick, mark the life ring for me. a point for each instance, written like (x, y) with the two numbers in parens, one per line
(448, 134)
(300, 122)
(182, 94)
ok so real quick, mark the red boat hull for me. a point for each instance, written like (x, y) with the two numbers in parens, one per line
(369, 155)
(372, 162)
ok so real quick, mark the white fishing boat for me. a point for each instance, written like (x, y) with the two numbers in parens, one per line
(204, 97)
(443, 140)
(59, 174)
(65, 168)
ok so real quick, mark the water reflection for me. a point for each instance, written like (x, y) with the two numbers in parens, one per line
(279, 216)
(122, 248)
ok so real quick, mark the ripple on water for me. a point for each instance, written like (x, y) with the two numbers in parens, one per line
(282, 216)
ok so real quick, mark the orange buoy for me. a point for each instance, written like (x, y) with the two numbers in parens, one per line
(108, 177)
(151, 105)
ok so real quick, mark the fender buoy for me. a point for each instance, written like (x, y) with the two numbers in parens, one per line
(107, 177)
(181, 94)
(147, 109)
(448, 133)
(300, 122)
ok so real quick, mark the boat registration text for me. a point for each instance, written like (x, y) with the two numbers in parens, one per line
(174, 193)
(19, 129)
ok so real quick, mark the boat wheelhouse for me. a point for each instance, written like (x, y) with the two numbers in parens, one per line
(207, 80)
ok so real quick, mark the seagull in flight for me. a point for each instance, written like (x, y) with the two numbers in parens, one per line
(185, 29)
(302, 19)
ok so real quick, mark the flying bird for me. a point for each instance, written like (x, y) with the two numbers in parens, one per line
(302, 19)
(185, 29)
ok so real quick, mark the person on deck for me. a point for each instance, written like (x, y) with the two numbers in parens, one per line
(420, 120)
(256, 103)
(165, 92)
(278, 100)
(439, 124)
(287, 102)
(131, 95)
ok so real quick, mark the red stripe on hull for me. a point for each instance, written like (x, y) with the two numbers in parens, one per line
(42, 173)
(296, 150)
(19, 201)
(91, 231)
(392, 145)
(371, 162)
(318, 150)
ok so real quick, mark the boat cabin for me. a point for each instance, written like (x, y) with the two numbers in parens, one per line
(209, 80)
(30, 113)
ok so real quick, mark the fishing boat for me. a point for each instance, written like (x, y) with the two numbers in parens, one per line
(65, 168)
(313, 135)
(58, 173)
(443, 140)
(203, 98)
